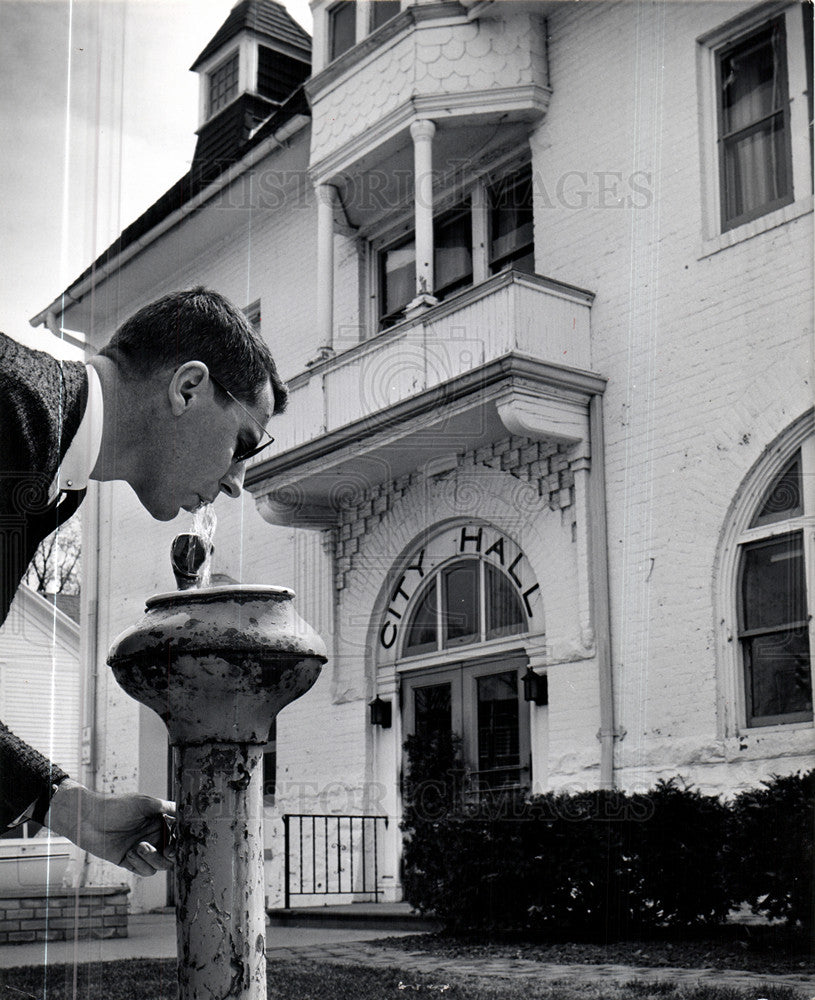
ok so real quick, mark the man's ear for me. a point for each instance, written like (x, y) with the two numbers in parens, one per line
(186, 386)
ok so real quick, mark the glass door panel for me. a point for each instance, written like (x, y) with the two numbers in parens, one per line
(432, 709)
(498, 730)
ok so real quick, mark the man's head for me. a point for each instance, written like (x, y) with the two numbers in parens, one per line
(194, 386)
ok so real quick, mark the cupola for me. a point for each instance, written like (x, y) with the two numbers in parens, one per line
(256, 60)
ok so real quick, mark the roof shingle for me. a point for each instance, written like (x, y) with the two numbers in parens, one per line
(266, 18)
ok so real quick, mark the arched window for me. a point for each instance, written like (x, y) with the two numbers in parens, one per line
(774, 597)
(465, 602)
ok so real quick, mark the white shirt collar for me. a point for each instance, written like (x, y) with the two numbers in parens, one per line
(83, 451)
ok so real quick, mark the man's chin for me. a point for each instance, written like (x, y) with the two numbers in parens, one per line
(159, 511)
(164, 513)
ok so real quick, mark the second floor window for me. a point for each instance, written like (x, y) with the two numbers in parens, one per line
(452, 263)
(397, 280)
(453, 250)
(755, 158)
(342, 27)
(223, 84)
(511, 233)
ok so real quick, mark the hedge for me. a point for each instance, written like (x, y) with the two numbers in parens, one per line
(600, 863)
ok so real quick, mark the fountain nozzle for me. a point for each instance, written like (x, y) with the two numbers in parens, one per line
(188, 554)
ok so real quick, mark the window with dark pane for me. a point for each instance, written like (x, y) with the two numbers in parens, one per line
(785, 498)
(342, 27)
(498, 730)
(505, 612)
(453, 250)
(460, 619)
(223, 84)
(511, 227)
(397, 280)
(279, 75)
(755, 156)
(773, 631)
(383, 10)
(432, 709)
(421, 633)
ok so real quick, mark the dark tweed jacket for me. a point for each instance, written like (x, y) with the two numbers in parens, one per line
(42, 402)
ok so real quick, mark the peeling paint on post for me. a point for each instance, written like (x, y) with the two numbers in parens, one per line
(218, 665)
(219, 872)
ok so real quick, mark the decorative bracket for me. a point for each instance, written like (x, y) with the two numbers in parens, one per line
(545, 415)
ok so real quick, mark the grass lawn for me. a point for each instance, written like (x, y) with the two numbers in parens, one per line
(766, 950)
(151, 979)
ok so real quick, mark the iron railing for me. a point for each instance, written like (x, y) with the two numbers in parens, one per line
(332, 855)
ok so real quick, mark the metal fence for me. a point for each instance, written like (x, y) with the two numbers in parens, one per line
(331, 855)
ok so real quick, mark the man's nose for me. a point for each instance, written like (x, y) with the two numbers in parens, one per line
(232, 483)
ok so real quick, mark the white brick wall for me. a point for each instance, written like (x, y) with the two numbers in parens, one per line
(708, 358)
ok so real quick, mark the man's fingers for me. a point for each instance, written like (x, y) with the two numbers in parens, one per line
(144, 859)
(134, 862)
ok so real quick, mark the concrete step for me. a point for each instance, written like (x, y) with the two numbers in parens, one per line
(371, 916)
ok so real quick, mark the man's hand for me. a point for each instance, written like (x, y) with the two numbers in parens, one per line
(123, 829)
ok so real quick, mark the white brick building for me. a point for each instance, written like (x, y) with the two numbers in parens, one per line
(539, 277)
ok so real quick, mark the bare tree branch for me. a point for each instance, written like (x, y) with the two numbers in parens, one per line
(57, 563)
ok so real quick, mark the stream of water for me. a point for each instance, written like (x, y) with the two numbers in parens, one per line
(204, 523)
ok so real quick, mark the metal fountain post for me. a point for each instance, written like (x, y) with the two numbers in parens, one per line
(217, 665)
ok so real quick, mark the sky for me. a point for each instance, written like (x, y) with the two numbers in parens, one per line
(98, 111)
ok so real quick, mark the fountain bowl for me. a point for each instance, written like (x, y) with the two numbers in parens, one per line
(218, 664)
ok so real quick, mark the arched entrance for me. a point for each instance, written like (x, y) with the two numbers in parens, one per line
(454, 642)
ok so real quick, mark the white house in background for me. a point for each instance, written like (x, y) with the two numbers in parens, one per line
(539, 277)
(40, 685)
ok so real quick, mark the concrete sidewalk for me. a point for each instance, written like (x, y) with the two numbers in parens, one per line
(152, 935)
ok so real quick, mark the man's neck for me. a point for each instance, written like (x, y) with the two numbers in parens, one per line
(111, 463)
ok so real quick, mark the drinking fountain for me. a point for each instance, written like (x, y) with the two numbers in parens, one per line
(217, 664)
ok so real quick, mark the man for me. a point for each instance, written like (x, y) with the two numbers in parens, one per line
(174, 405)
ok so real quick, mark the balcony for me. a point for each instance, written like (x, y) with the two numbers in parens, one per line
(511, 355)
(433, 61)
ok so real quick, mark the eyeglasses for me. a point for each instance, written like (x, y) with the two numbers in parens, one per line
(243, 455)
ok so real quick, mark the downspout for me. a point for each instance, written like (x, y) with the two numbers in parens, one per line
(598, 541)
(89, 642)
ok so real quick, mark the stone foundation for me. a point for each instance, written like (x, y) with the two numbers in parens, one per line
(48, 913)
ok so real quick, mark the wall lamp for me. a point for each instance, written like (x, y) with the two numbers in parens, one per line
(536, 687)
(381, 713)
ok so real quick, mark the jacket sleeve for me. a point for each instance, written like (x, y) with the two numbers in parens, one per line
(26, 778)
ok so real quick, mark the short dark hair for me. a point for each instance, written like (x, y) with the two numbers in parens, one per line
(198, 325)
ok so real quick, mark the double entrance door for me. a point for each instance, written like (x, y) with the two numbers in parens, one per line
(482, 701)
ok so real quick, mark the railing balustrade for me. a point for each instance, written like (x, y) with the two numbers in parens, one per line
(332, 855)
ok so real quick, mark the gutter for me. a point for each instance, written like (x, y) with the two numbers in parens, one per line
(601, 601)
(75, 292)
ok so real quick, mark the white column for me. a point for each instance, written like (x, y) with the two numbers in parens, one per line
(325, 264)
(422, 133)
(480, 233)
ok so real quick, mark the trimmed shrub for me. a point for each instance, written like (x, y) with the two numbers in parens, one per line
(771, 858)
(602, 863)
(684, 881)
